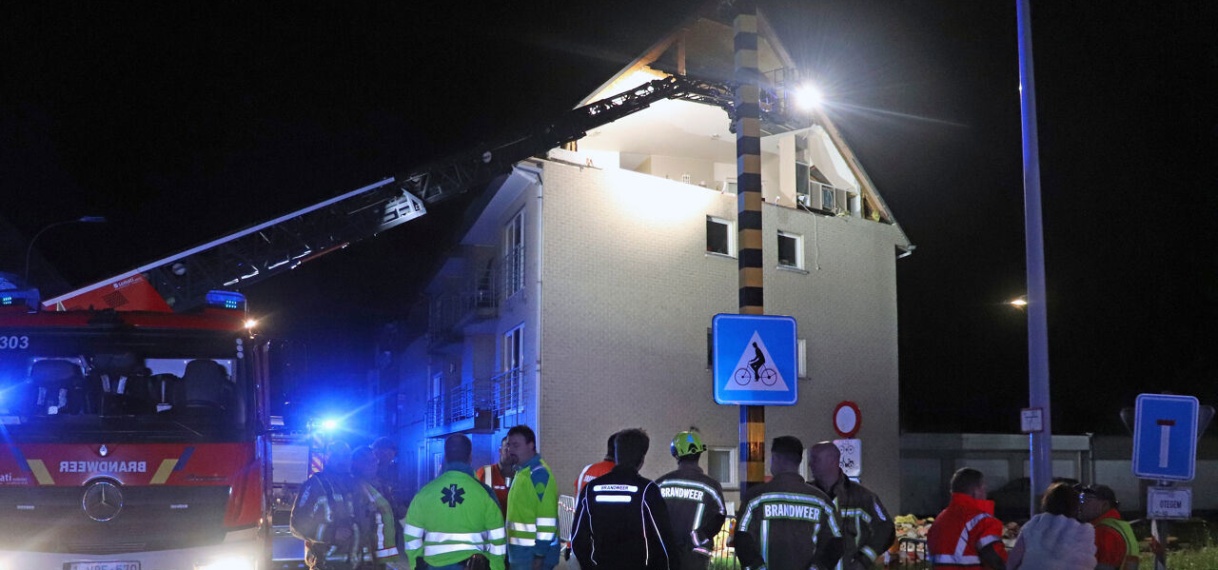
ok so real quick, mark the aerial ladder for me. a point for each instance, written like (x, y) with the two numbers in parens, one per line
(181, 281)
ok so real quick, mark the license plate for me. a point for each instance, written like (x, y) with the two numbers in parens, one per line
(102, 566)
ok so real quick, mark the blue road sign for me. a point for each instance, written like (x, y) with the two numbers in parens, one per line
(755, 360)
(1165, 437)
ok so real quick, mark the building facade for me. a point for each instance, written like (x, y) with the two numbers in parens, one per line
(580, 301)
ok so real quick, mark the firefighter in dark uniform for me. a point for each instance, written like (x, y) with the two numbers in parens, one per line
(325, 514)
(621, 521)
(695, 503)
(785, 523)
(868, 529)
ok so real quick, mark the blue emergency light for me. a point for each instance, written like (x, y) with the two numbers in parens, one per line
(226, 300)
(27, 297)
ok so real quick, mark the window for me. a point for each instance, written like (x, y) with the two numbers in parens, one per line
(728, 186)
(720, 238)
(721, 463)
(790, 250)
(513, 349)
(513, 255)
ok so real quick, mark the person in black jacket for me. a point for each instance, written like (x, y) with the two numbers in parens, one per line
(695, 503)
(621, 521)
(787, 524)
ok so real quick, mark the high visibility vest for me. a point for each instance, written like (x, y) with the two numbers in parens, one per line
(532, 516)
(1132, 552)
(590, 472)
(492, 476)
(453, 518)
(380, 524)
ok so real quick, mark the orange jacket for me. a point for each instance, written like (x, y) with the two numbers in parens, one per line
(493, 477)
(590, 472)
(959, 533)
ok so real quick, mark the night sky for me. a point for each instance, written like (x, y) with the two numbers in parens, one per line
(182, 122)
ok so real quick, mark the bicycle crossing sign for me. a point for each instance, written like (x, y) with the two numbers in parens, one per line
(754, 360)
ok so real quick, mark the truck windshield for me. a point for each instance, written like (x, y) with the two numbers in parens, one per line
(87, 386)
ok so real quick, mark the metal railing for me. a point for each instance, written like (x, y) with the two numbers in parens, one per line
(479, 299)
(501, 395)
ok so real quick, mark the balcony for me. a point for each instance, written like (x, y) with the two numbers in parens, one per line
(478, 407)
(451, 310)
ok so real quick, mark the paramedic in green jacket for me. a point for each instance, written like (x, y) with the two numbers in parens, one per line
(455, 517)
(532, 509)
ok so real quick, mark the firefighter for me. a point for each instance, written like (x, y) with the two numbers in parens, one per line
(324, 514)
(377, 520)
(868, 530)
(621, 521)
(532, 510)
(966, 535)
(454, 522)
(498, 476)
(589, 472)
(785, 523)
(695, 503)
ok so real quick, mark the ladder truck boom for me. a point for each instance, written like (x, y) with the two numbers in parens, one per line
(181, 281)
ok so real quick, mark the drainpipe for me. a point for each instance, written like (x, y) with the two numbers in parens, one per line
(533, 175)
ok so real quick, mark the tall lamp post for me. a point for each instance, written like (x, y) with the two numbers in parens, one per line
(1040, 444)
(29, 248)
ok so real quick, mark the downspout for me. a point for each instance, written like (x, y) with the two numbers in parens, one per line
(533, 175)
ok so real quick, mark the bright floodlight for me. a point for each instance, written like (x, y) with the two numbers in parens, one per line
(808, 97)
(329, 424)
(1018, 303)
(251, 323)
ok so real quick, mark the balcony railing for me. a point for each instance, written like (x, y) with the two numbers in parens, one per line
(479, 300)
(482, 404)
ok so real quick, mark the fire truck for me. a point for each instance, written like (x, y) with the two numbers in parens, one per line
(134, 412)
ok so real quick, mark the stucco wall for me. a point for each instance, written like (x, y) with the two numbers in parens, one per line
(627, 296)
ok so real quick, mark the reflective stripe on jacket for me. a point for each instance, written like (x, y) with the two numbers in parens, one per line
(453, 518)
(326, 503)
(532, 512)
(787, 523)
(492, 476)
(380, 527)
(869, 529)
(960, 532)
(696, 509)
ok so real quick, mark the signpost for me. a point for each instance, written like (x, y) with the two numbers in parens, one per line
(1166, 428)
(755, 360)
(1165, 437)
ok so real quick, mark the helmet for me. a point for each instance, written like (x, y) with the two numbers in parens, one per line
(687, 443)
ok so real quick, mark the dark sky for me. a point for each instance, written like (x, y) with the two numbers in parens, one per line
(182, 122)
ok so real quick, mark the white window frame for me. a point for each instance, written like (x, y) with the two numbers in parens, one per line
(513, 255)
(733, 481)
(799, 249)
(731, 236)
(513, 349)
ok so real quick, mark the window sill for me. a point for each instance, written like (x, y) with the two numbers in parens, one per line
(792, 269)
(720, 255)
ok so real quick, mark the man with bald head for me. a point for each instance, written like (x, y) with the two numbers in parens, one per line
(454, 522)
(868, 530)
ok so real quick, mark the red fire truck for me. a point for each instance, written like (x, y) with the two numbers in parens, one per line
(132, 439)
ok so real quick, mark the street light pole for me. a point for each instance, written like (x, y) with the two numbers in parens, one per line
(29, 248)
(1040, 444)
